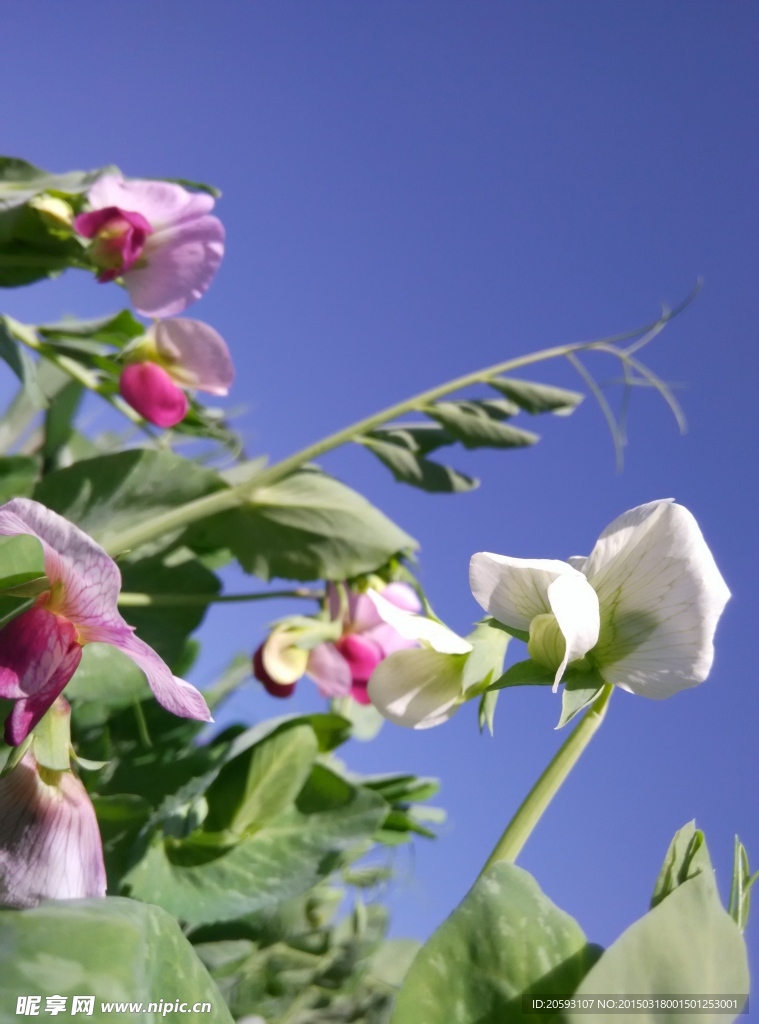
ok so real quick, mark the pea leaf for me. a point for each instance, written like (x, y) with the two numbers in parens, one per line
(537, 398)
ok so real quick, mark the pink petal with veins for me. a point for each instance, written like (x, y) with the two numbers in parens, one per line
(329, 670)
(50, 847)
(180, 264)
(161, 202)
(151, 392)
(90, 578)
(197, 355)
(171, 692)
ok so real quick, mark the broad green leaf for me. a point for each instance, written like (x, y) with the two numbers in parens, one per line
(116, 950)
(687, 857)
(59, 421)
(107, 494)
(166, 626)
(20, 361)
(580, 690)
(262, 782)
(18, 474)
(285, 857)
(504, 939)
(107, 677)
(409, 468)
(309, 526)
(22, 563)
(476, 426)
(525, 673)
(687, 945)
(114, 329)
(537, 398)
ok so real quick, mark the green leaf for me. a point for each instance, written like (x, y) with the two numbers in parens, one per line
(107, 494)
(580, 690)
(504, 939)
(476, 425)
(17, 477)
(107, 677)
(741, 884)
(537, 398)
(114, 949)
(485, 661)
(525, 673)
(22, 562)
(409, 468)
(687, 945)
(115, 329)
(687, 857)
(281, 859)
(420, 438)
(20, 181)
(261, 783)
(59, 420)
(22, 364)
(307, 527)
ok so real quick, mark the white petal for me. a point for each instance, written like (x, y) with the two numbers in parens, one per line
(578, 562)
(575, 604)
(417, 627)
(514, 590)
(661, 595)
(418, 688)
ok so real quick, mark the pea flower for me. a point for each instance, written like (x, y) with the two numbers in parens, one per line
(641, 610)
(372, 626)
(174, 355)
(50, 846)
(155, 235)
(41, 648)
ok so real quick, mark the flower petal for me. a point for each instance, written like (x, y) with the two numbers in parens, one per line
(180, 263)
(418, 627)
(418, 688)
(91, 578)
(362, 655)
(282, 661)
(661, 595)
(329, 670)
(171, 692)
(50, 845)
(402, 595)
(160, 202)
(514, 590)
(574, 604)
(195, 355)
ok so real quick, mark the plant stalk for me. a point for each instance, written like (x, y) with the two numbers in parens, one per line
(530, 812)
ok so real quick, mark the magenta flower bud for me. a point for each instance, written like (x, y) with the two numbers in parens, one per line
(149, 389)
(118, 239)
(50, 847)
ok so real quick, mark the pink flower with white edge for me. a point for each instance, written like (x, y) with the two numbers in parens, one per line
(158, 237)
(173, 355)
(50, 846)
(373, 626)
(41, 649)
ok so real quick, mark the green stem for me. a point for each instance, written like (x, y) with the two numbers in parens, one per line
(530, 812)
(231, 497)
(132, 599)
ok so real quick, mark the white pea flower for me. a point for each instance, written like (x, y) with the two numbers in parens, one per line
(641, 610)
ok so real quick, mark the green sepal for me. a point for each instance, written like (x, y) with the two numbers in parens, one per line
(524, 673)
(580, 690)
(52, 738)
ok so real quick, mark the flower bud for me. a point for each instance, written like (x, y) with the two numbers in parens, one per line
(152, 393)
(55, 213)
(50, 846)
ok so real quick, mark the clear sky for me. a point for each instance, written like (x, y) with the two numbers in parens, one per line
(416, 189)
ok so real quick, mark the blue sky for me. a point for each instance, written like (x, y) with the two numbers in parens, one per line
(414, 190)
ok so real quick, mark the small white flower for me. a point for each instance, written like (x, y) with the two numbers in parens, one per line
(642, 609)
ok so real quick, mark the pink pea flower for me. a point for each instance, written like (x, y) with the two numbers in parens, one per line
(155, 235)
(175, 354)
(343, 667)
(50, 846)
(41, 648)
